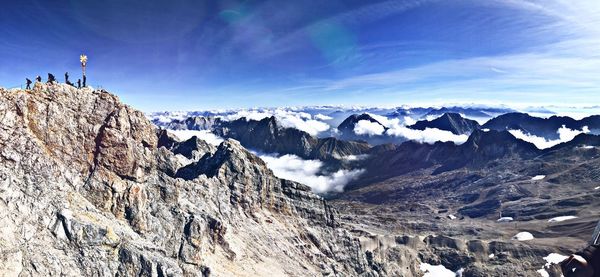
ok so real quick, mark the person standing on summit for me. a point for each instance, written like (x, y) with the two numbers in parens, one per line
(38, 79)
(51, 78)
(66, 77)
(28, 83)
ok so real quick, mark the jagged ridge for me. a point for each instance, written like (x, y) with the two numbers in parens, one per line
(83, 175)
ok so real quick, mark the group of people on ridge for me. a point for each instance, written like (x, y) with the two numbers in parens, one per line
(52, 79)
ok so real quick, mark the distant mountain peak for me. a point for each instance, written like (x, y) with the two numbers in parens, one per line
(348, 125)
(452, 122)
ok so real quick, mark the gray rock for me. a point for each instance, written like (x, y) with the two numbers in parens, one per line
(85, 190)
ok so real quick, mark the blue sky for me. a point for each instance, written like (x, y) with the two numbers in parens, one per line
(190, 55)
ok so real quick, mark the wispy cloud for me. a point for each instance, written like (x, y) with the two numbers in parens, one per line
(567, 62)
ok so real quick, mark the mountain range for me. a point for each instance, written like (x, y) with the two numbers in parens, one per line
(459, 190)
(90, 186)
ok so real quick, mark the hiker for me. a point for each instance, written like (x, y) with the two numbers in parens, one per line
(28, 83)
(38, 79)
(585, 263)
(66, 77)
(51, 78)
(78, 83)
(84, 81)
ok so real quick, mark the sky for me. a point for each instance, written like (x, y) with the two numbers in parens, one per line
(193, 54)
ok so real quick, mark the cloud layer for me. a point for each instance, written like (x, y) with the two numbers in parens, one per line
(565, 135)
(398, 129)
(429, 135)
(292, 167)
(203, 135)
(287, 118)
(366, 127)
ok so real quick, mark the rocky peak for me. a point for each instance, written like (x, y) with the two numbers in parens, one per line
(347, 126)
(452, 122)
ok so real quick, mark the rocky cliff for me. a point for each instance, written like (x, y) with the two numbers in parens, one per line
(88, 188)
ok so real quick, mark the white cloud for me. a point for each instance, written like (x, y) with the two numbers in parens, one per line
(203, 135)
(429, 135)
(565, 134)
(287, 118)
(355, 157)
(398, 129)
(385, 121)
(292, 167)
(323, 117)
(409, 121)
(311, 126)
(366, 127)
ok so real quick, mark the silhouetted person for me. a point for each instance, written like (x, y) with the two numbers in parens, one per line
(38, 79)
(51, 78)
(28, 83)
(84, 81)
(70, 84)
(67, 77)
(78, 83)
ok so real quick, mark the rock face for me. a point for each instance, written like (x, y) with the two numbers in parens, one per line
(87, 189)
(452, 122)
(542, 127)
(479, 149)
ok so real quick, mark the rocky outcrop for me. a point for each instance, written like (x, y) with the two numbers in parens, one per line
(88, 188)
(452, 122)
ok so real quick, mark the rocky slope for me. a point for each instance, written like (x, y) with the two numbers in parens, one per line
(480, 149)
(85, 190)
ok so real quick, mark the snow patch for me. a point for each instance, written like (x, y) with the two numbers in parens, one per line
(505, 219)
(562, 218)
(436, 271)
(552, 258)
(522, 236)
(596, 188)
(538, 177)
(451, 216)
